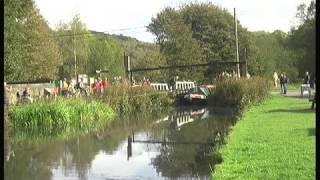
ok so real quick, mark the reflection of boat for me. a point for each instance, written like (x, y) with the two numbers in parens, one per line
(185, 115)
(197, 111)
(163, 119)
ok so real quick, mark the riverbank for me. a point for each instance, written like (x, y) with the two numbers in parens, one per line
(274, 140)
(70, 117)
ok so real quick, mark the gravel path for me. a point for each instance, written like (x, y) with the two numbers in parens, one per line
(294, 94)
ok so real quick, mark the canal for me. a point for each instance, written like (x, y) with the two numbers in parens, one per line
(175, 145)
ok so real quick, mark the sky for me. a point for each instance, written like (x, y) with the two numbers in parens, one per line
(129, 17)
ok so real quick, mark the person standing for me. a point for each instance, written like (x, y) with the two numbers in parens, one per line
(281, 83)
(83, 90)
(306, 78)
(65, 86)
(275, 79)
(100, 86)
(285, 82)
(56, 86)
(105, 84)
(306, 84)
(96, 88)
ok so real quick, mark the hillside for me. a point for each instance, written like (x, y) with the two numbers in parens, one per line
(142, 54)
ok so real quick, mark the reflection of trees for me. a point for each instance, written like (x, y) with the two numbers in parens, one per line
(35, 159)
(192, 160)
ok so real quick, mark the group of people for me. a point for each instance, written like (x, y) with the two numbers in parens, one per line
(25, 95)
(99, 86)
(73, 88)
(283, 80)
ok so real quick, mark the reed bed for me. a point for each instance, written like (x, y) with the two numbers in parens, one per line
(241, 93)
(125, 99)
(62, 116)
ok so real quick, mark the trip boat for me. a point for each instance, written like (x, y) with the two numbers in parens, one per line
(196, 95)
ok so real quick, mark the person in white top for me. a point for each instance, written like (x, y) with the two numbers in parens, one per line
(275, 79)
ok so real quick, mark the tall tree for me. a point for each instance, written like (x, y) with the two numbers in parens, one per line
(43, 58)
(175, 39)
(74, 40)
(302, 38)
(199, 32)
(269, 53)
(29, 53)
(106, 54)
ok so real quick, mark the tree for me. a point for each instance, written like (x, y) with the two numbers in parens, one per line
(106, 54)
(73, 39)
(302, 38)
(176, 43)
(29, 52)
(43, 58)
(269, 53)
(197, 33)
(305, 13)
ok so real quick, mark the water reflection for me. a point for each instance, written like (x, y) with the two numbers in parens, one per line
(178, 145)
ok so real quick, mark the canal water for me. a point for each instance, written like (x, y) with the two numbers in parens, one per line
(177, 145)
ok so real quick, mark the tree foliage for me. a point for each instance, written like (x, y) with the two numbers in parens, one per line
(302, 38)
(74, 40)
(142, 55)
(175, 39)
(29, 53)
(106, 54)
(43, 56)
(196, 33)
(270, 53)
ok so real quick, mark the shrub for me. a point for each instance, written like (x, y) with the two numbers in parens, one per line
(241, 93)
(125, 99)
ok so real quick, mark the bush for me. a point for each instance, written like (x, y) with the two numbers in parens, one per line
(241, 93)
(125, 99)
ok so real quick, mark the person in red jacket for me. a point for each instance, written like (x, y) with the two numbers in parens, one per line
(96, 86)
(105, 84)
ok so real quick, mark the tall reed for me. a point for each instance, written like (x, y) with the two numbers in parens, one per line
(60, 117)
(241, 93)
(125, 99)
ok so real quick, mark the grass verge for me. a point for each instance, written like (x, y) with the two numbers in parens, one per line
(274, 140)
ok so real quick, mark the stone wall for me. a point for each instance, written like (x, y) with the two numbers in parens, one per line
(36, 90)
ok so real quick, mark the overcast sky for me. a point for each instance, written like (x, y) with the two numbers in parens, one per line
(129, 17)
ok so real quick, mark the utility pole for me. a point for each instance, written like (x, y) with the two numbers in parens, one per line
(127, 67)
(246, 63)
(75, 55)
(237, 47)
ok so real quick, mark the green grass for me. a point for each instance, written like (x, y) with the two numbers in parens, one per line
(274, 140)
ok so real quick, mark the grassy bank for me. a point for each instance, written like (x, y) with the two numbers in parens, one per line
(66, 117)
(274, 140)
